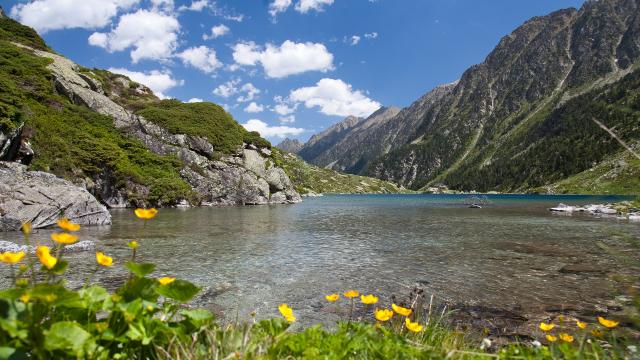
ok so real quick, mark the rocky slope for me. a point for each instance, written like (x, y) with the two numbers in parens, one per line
(290, 145)
(87, 126)
(510, 123)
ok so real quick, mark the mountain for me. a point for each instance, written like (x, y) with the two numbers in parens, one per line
(116, 139)
(523, 119)
(319, 143)
(289, 145)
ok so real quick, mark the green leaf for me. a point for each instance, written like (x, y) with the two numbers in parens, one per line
(143, 288)
(60, 267)
(140, 269)
(66, 335)
(94, 296)
(180, 290)
(198, 317)
(7, 353)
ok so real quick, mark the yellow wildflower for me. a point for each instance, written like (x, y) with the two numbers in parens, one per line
(412, 326)
(551, 338)
(369, 299)
(581, 325)
(607, 323)
(102, 326)
(26, 228)
(64, 238)
(132, 244)
(44, 255)
(23, 267)
(546, 327)
(597, 333)
(103, 259)
(66, 224)
(50, 297)
(332, 297)
(146, 214)
(11, 257)
(287, 312)
(25, 298)
(351, 294)
(166, 280)
(383, 314)
(400, 310)
(566, 337)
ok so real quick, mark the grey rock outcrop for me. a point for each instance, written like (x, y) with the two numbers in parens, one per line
(238, 179)
(43, 198)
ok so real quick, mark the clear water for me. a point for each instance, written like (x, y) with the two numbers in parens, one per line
(507, 254)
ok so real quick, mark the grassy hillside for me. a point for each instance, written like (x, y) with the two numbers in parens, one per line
(312, 179)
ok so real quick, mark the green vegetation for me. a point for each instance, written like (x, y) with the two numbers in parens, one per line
(312, 179)
(13, 31)
(122, 90)
(202, 119)
(75, 143)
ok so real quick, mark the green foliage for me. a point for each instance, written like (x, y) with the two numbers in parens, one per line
(11, 30)
(202, 119)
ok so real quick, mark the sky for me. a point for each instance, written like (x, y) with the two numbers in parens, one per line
(285, 68)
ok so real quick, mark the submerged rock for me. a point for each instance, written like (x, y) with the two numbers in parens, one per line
(43, 198)
(9, 246)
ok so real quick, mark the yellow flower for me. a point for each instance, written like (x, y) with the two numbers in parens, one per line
(103, 259)
(597, 333)
(146, 214)
(44, 255)
(66, 224)
(102, 326)
(383, 314)
(581, 325)
(50, 297)
(26, 228)
(400, 310)
(11, 257)
(607, 323)
(566, 337)
(133, 244)
(287, 312)
(332, 297)
(25, 298)
(369, 299)
(551, 338)
(351, 294)
(412, 326)
(546, 327)
(64, 238)
(166, 280)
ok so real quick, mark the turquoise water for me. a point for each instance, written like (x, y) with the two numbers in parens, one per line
(508, 254)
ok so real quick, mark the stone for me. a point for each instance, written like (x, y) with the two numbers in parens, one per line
(43, 198)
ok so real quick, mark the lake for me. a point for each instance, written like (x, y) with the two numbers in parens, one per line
(509, 254)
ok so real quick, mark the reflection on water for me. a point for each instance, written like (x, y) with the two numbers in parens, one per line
(507, 254)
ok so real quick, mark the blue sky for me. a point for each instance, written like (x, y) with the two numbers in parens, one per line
(282, 67)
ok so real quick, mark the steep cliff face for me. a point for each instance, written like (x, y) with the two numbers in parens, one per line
(115, 138)
(483, 133)
(290, 145)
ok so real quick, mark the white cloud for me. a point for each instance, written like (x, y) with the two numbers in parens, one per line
(254, 107)
(304, 6)
(162, 5)
(335, 97)
(249, 92)
(201, 57)
(151, 34)
(45, 15)
(194, 100)
(227, 89)
(354, 40)
(217, 31)
(158, 81)
(278, 6)
(287, 119)
(371, 36)
(290, 58)
(196, 5)
(282, 107)
(271, 131)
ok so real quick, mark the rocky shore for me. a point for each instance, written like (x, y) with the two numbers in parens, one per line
(622, 210)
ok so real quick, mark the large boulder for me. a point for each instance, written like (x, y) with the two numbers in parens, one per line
(43, 198)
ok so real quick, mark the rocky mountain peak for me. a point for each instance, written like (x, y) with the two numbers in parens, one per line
(290, 145)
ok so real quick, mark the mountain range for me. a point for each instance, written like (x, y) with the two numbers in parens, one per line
(535, 115)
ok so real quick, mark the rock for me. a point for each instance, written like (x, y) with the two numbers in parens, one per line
(84, 245)
(43, 198)
(584, 268)
(8, 246)
(292, 146)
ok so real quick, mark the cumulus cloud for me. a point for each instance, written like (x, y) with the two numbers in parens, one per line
(287, 119)
(194, 100)
(290, 58)
(227, 89)
(371, 36)
(201, 57)
(271, 131)
(196, 5)
(282, 106)
(151, 34)
(335, 97)
(162, 5)
(278, 6)
(45, 15)
(249, 92)
(216, 32)
(304, 6)
(354, 40)
(158, 81)
(253, 107)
